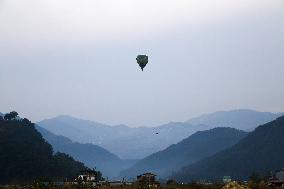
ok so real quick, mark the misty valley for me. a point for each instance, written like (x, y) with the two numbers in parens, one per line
(60, 149)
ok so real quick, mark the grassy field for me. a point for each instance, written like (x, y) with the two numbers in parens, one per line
(231, 185)
(132, 186)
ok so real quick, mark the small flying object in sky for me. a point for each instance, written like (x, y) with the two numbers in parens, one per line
(156, 133)
(142, 60)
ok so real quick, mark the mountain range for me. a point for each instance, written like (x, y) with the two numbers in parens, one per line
(242, 119)
(199, 145)
(206, 154)
(261, 151)
(124, 141)
(91, 155)
(137, 143)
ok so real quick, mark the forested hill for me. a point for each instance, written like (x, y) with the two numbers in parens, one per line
(25, 156)
(261, 151)
(199, 145)
(91, 155)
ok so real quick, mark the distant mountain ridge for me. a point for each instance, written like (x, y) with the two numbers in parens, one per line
(91, 155)
(199, 145)
(142, 141)
(243, 119)
(128, 143)
(261, 151)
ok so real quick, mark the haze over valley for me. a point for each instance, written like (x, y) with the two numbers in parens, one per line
(125, 146)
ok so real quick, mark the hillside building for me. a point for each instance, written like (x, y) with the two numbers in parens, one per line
(148, 180)
(227, 179)
(277, 179)
(87, 177)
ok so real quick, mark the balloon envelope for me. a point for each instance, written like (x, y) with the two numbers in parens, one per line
(142, 60)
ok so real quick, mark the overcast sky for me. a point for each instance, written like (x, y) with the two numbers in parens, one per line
(77, 57)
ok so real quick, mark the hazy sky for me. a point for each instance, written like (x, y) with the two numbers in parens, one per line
(77, 57)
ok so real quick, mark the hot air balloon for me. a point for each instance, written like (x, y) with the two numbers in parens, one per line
(142, 60)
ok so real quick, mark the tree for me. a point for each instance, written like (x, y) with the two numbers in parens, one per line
(26, 122)
(171, 182)
(262, 185)
(11, 115)
(14, 114)
(99, 176)
(255, 177)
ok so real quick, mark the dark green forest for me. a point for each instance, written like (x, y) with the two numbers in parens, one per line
(260, 152)
(25, 156)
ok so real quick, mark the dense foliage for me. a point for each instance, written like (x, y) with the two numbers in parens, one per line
(25, 156)
(261, 151)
